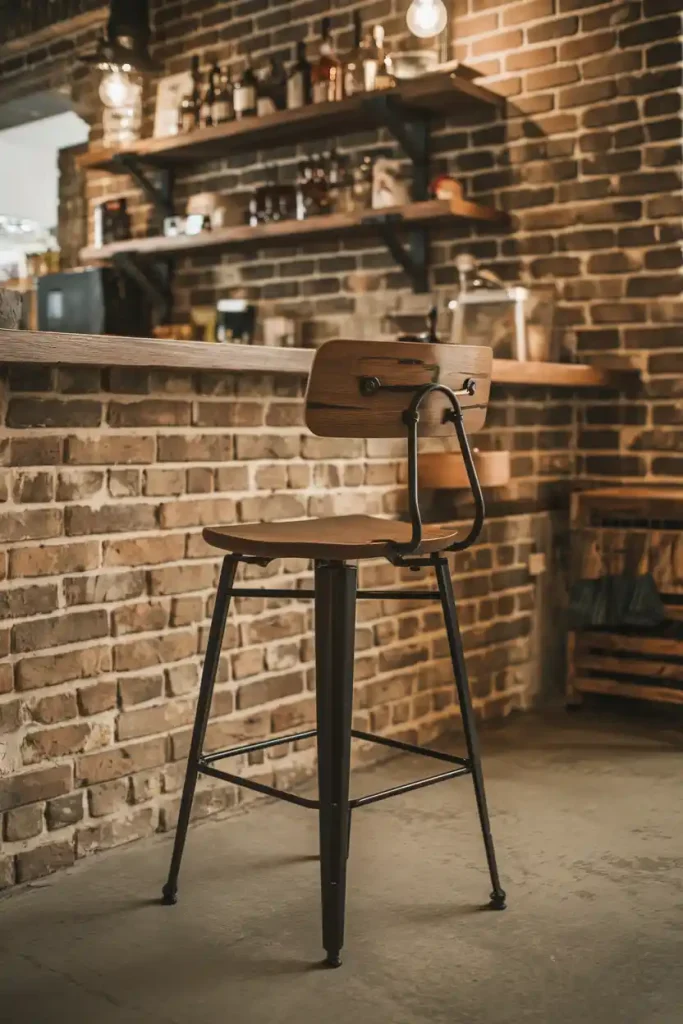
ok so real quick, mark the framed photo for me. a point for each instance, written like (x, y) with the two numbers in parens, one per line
(170, 91)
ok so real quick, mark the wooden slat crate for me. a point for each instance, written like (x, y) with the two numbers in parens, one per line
(631, 530)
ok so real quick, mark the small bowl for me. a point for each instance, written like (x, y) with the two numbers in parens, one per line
(411, 64)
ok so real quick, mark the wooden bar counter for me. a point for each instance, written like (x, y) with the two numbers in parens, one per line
(114, 454)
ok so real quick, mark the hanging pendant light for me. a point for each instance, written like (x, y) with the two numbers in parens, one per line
(123, 55)
(125, 44)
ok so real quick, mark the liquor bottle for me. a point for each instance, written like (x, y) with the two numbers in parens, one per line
(244, 94)
(354, 60)
(326, 74)
(206, 116)
(321, 185)
(196, 93)
(299, 80)
(271, 88)
(186, 107)
(375, 72)
(222, 104)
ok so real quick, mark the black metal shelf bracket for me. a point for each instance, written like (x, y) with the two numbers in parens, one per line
(155, 281)
(157, 190)
(413, 258)
(412, 130)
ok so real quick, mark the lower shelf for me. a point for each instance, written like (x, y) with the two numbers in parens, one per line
(295, 231)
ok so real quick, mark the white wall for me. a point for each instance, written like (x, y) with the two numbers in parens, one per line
(28, 166)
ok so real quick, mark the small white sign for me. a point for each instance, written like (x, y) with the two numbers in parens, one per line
(170, 92)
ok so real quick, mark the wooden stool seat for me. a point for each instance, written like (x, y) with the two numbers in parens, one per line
(336, 538)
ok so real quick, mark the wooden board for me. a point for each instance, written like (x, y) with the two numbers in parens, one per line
(335, 406)
(622, 642)
(440, 92)
(446, 470)
(614, 688)
(55, 348)
(294, 231)
(587, 663)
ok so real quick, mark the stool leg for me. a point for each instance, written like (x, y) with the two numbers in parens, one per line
(335, 618)
(213, 652)
(469, 724)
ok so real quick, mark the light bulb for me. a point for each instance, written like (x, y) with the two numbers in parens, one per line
(427, 18)
(117, 89)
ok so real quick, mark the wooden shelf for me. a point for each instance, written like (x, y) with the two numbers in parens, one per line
(108, 350)
(438, 93)
(295, 231)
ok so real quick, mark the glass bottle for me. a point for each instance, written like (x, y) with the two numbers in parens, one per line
(222, 106)
(326, 75)
(375, 72)
(196, 93)
(206, 116)
(354, 60)
(299, 80)
(362, 184)
(186, 107)
(244, 94)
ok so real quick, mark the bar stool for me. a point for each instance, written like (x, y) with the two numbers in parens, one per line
(357, 389)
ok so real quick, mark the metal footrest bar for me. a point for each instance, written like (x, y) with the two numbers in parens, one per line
(248, 748)
(373, 798)
(258, 787)
(206, 761)
(363, 595)
(385, 741)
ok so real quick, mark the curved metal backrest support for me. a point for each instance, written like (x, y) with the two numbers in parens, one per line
(411, 418)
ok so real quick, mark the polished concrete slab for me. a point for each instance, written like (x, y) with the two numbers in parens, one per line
(588, 819)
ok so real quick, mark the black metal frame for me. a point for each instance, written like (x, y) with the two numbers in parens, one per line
(336, 594)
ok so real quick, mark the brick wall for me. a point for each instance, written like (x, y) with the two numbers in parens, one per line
(107, 588)
(586, 159)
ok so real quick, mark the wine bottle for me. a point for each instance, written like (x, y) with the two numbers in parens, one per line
(244, 94)
(354, 61)
(326, 75)
(206, 116)
(196, 93)
(299, 80)
(186, 107)
(222, 105)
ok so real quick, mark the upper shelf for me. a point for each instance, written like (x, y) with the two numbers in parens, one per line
(438, 93)
(294, 231)
(107, 350)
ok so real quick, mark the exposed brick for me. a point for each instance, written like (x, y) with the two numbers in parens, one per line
(110, 449)
(57, 708)
(30, 524)
(32, 786)
(143, 551)
(67, 810)
(93, 700)
(54, 560)
(82, 519)
(44, 860)
(33, 487)
(24, 823)
(49, 744)
(60, 629)
(22, 602)
(49, 412)
(112, 764)
(52, 669)
(150, 413)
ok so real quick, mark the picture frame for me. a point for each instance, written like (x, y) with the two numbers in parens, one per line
(170, 91)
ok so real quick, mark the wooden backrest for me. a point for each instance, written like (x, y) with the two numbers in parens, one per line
(337, 407)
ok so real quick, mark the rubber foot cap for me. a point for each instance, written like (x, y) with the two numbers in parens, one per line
(169, 897)
(332, 960)
(498, 901)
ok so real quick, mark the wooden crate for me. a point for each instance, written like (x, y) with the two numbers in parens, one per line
(633, 530)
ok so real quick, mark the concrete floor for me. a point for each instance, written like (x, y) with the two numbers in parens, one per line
(588, 820)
